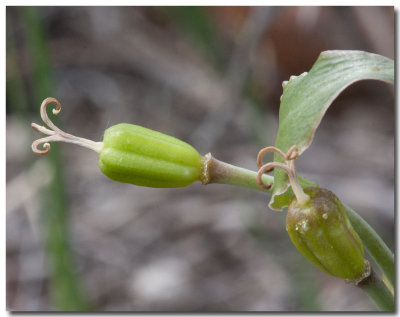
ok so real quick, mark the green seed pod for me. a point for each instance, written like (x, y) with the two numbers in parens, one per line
(130, 153)
(321, 231)
(140, 156)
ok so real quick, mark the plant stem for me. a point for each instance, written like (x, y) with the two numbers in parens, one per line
(377, 292)
(216, 171)
(375, 246)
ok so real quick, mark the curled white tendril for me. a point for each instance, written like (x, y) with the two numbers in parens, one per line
(289, 167)
(55, 134)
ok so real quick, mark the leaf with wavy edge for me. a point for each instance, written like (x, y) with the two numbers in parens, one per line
(306, 98)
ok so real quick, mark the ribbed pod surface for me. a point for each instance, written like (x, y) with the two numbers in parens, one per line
(140, 156)
(322, 232)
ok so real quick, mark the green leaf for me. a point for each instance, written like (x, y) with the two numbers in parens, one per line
(306, 98)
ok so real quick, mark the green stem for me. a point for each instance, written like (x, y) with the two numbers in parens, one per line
(375, 246)
(216, 171)
(378, 292)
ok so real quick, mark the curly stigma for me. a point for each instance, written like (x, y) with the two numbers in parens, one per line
(55, 134)
(289, 167)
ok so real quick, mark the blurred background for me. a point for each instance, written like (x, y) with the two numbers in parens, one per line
(212, 77)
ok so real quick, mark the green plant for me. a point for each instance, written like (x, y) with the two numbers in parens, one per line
(126, 151)
(320, 229)
(317, 223)
(130, 153)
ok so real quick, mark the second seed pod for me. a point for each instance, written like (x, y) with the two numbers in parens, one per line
(322, 232)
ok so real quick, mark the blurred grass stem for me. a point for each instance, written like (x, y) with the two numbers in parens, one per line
(215, 122)
(65, 288)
